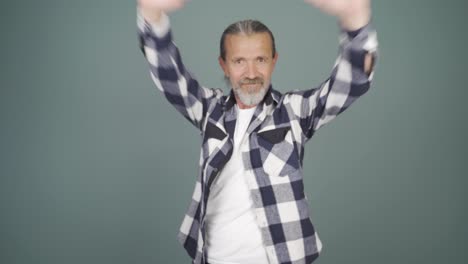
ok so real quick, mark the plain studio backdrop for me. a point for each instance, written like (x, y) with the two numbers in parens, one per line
(96, 167)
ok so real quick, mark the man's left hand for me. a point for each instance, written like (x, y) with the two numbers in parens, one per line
(352, 14)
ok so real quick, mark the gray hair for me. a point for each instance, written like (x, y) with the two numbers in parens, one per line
(247, 27)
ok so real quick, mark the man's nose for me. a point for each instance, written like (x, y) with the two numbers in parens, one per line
(252, 71)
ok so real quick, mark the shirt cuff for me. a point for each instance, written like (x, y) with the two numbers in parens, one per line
(159, 29)
(353, 33)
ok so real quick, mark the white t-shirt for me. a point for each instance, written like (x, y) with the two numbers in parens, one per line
(233, 236)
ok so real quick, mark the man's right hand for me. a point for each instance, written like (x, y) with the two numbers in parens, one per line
(152, 9)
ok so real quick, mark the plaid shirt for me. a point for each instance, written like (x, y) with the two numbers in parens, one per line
(274, 150)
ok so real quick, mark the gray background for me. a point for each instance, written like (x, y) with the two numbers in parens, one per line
(96, 167)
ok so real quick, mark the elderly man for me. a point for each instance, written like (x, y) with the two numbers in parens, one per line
(249, 205)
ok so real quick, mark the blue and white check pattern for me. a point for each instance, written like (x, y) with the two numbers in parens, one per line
(274, 150)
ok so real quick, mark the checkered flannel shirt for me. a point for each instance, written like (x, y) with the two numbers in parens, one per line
(274, 150)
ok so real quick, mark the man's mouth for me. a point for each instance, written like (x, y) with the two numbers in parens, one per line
(251, 81)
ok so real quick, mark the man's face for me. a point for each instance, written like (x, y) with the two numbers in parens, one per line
(249, 65)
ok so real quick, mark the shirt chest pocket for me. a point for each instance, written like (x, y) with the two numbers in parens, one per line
(213, 139)
(277, 150)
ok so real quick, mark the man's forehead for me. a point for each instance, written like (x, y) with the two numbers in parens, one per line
(249, 41)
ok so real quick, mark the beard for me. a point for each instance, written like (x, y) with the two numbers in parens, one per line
(248, 92)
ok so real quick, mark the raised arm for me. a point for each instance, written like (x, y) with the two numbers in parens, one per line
(353, 70)
(167, 70)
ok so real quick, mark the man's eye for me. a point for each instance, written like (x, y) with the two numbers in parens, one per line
(238, 61)
(261, 59)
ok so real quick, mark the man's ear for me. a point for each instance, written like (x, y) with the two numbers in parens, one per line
(222, 63)
(275, 58)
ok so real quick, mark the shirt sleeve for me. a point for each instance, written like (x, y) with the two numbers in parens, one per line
(169, 73)
(347, 82)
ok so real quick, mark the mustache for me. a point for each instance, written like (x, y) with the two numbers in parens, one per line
(257, 80)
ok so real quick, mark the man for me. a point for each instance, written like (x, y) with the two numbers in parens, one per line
(248, 205)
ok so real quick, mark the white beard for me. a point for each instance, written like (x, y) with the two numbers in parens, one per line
(250, 98)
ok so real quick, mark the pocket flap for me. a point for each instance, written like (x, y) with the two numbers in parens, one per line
(212, 131)
(274, 136)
